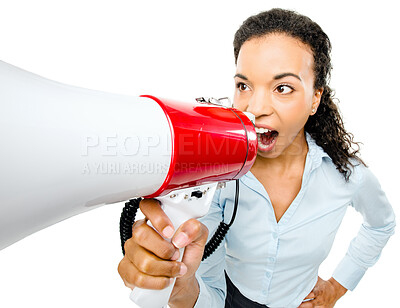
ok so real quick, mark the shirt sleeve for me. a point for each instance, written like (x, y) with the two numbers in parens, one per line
(376, 229)
(210, 274)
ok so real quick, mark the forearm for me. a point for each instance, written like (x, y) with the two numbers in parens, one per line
(185, 293)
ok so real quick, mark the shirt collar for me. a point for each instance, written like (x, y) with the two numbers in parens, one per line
(315, 152)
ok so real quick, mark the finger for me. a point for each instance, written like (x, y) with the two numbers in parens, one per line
(132, 277)
(148, 263)
(308, 304)
(310, 295)
(123, 267)
(152, 210)
(319, 300)
(193, 235)
(190, 232)
(145, 236)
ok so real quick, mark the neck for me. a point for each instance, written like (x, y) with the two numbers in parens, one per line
(294, 155)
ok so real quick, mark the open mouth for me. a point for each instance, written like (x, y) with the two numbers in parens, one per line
(266, 138)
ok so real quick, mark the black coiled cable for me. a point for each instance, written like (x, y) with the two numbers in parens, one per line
(216, 240)
(128, 219)
(221, 231)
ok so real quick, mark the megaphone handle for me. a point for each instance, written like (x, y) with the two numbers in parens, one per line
(146, 298)
(179, 206)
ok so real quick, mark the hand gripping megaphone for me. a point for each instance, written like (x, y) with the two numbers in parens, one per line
(66, 150)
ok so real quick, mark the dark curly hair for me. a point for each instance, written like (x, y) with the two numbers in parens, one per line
(326, 126)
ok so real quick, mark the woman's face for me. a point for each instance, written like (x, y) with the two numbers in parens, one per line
(275, 81)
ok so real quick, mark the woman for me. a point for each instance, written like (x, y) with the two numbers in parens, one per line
(291, 202)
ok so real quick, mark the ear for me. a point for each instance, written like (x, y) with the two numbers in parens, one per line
(316, 100)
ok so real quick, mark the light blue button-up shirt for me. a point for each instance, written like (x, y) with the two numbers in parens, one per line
(276, 263)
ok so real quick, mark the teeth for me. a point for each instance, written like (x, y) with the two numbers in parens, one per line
(260, 130)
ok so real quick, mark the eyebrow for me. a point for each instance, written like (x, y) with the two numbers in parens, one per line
(241, 76)
(280, 76)
(276, 77)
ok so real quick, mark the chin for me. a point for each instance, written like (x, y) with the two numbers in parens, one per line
(270, 154)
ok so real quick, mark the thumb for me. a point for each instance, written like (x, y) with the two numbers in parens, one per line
(317, 287)
(192, 235)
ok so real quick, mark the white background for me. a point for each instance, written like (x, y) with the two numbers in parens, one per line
(182, 50)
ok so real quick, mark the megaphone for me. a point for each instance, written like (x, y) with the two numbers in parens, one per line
(66, 150)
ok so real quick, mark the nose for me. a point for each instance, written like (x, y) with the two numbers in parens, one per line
(260, 104)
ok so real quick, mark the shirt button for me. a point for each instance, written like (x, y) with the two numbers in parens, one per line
(264, 292)
(268, 274)
(274, 235)
(271, 259)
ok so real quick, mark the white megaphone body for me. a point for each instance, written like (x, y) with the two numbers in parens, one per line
(66, 150)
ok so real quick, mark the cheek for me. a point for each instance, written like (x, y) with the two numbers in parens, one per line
(295, 113)
(239, 103)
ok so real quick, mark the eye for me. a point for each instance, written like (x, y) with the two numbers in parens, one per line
(242, 87)
(284, 89)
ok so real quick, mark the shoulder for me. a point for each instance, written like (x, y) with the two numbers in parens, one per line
(364, 178)
(359, 173)
(322, 161)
